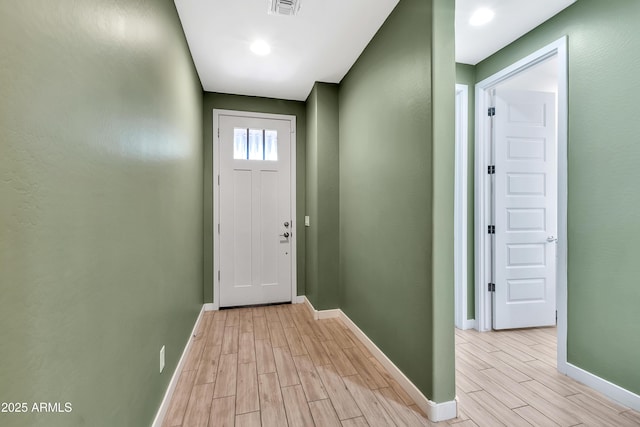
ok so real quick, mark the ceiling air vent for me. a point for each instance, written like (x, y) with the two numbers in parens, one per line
(284, 7)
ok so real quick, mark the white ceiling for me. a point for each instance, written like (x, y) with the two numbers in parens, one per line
(513, 18)
(324, 40)
(320, 43)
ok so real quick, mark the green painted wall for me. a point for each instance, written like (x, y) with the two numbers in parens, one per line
(259, 105)
(387, 203)
(603, 226)
(100, 212)
(322, 283)
(466, 75)
(443, 82)
(311, 233)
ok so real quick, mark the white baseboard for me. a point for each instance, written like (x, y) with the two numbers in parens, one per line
(321, 314)
(166, 401)
(312, 310)
(298, 299)
(612, 391)
(435, 411)
(469, 324)
(328, 314)
(210, 307)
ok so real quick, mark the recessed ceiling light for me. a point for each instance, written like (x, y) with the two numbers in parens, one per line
(481, 16)
(260, 47)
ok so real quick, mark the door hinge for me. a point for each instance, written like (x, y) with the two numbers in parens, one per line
(491, 170)
(218, 179)
(492, 287)
(218, 275)
(491, 229)
(218, 228)
(218, 132)
(491, 112)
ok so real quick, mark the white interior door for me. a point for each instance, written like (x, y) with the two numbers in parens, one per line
(256, 227)
(525, 209)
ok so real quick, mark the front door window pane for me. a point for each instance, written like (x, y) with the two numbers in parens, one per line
(270, 145)
(240, 144)
(256, 146)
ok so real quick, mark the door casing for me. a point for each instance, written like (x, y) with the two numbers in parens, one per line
(482, 189)
(216, 197)
(461, 208)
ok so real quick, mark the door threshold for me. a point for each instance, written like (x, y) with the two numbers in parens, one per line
(255, 305)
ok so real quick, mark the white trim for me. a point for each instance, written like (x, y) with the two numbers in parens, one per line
(563, 194)
(483, 297)
(309, 306)
(216, 197)
(469, 324)
(209, 307)
(435, 411)
(166, 400)
(460, 210)
(321, 314)
(615, 392)
(298, 299)
(328, 314)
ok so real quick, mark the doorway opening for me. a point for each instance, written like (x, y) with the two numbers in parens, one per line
(518, 264)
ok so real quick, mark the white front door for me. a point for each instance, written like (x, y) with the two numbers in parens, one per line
(256, 227)
(525, 209)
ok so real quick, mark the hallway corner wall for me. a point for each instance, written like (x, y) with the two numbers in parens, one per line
(323, 177)
(387, 205)
(443, 81)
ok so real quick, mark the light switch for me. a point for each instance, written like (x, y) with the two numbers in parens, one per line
(306, 220)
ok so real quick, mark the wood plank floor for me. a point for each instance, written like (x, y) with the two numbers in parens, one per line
(276, 366)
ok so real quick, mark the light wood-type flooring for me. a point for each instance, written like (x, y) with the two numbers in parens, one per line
(276, 366)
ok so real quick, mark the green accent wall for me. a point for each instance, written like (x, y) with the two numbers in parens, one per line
(603, 154)
(388, 212)
(101, 207)
(466, 75)
(323, 234)
(259, 105)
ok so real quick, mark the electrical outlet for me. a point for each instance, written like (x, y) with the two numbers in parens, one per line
(306, 221)
(161, 359)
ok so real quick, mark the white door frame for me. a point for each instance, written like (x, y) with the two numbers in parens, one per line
(216, 196)
(482, 189)
(461, 208)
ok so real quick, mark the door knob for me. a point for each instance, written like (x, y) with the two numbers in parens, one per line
(285, 235)
(286, 224)
(552, 239)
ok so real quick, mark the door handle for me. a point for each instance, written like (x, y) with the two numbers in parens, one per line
(285, 235)
(552, 239)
